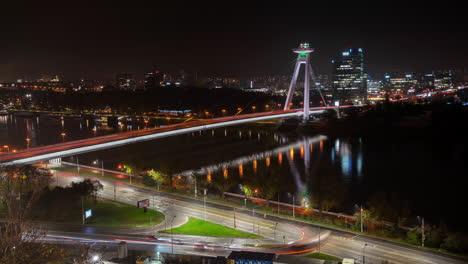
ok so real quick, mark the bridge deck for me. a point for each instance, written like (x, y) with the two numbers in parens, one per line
(36, 154)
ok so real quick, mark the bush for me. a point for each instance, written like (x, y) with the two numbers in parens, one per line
(453, 242)
(414, 236)
(148, 180)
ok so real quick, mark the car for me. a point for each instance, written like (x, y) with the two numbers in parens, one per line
(159, 239)
(177, 242)
(201, 244)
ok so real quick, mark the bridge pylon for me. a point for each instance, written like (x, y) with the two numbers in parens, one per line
(303, 57)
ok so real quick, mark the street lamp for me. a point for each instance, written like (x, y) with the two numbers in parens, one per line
(102, 165)
(7, 147)
(27, 142)
(274, 232)
(364, 254)
(172, 235)
(63, 134)
(362, 226)
(204, 201)
(423, 237)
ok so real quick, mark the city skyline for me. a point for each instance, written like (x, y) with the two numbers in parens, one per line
(98, 42)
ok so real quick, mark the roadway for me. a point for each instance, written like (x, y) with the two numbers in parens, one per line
(299, 237)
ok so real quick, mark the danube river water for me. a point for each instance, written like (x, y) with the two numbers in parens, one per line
(411, 175)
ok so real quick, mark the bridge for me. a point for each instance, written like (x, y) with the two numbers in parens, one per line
(55, 151)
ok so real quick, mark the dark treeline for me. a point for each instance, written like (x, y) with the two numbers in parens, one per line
(137, 102)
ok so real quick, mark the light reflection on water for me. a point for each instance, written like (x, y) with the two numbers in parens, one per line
(301, 153)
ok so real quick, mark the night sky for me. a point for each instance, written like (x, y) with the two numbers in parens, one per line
(224, 37)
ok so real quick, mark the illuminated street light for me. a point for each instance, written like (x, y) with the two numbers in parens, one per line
(63, 134)
(7, 147)
(102, 165)
(27, 142)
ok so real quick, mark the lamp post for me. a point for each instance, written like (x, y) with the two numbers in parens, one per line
(362, 227)
(274, 231)
(196, 191)
(253, 219)
(102, 165)
(364, 254)
(63, 134)
(27, 142)
(423, 236)
(172, 235)
(7, 148)
(77, 165)
(294, 213)
(204, 202)
(235, 226)
(319, 241)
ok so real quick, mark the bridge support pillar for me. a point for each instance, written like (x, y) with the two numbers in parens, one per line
(303, 58)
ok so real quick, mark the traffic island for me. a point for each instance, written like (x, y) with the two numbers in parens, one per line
(198, 227)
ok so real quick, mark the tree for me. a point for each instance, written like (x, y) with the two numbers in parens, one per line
(87, 188)
(20, 238)
(326, 187)
(153, 178)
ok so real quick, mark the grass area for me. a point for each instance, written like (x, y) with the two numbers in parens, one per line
(199, 227)
(322, 256)
(112, 213)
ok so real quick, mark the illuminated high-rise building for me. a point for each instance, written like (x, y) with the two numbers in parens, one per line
(349, 77)
(124, 81)
(153, 80)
